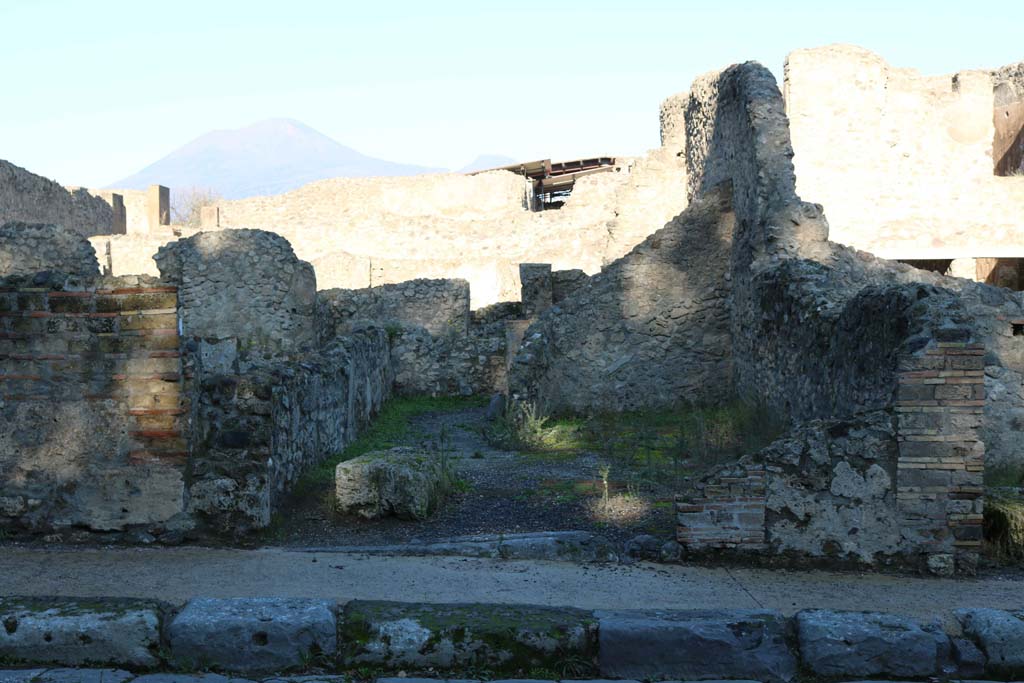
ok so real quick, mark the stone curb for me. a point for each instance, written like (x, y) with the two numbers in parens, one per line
(265, 636)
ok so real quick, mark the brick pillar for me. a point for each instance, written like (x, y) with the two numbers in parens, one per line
(729, 514)
(940, 406)
(158, 206)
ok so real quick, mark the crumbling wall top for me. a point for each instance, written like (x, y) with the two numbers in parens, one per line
(27, 248)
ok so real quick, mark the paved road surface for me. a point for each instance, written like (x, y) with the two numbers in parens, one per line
(176, 574)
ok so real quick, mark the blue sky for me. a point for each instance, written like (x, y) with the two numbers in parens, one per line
(93, 91)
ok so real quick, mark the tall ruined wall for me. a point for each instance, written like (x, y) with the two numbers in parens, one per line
(652, 329)
(91, 402)
(30, 198)
(903, 162)
(243, 283)
(439, 306)
(27, 248)
(821, 331)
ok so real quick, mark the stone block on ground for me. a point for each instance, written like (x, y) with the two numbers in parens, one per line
(70, 631)
(252, 634)
(695, 644)
(503, 639)
(81, 676)
(408, 483)
(868, 644)
(1000, 635)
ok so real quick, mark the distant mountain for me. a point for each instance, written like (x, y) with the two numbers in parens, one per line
(485, 161)
(268, 157)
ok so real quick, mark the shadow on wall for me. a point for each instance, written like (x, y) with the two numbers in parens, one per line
(650, 330)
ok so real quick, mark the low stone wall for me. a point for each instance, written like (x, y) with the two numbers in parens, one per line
(264, 636)
(260, 421)
(652, 329)
(29, 198)
(28, 248)
(439, 306)
(91, 401)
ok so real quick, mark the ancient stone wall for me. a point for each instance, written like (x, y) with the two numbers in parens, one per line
(439, 306)
(652, 329)
(821, 331)
(27, 248)
(91, 402)
(1008, 119)
(904, 162)
(246, 284)
(136, 204)
(260, 421)
(30, 198)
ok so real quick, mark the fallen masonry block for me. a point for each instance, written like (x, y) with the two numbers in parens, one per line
(405, 482)
(504, 639)
(71, 631)
(695, 644)
(1000, 635)
(869, 644)
(252, 634)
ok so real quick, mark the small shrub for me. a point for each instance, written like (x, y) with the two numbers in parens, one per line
(1004, 526)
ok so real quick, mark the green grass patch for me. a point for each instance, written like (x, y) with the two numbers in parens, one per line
(650, 449)
(389, 429)
(1005, 476)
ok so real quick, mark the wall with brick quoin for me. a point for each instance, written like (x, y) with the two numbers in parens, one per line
(824, 332)
(91, 402)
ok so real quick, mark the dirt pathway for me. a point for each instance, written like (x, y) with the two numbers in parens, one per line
(504, 492)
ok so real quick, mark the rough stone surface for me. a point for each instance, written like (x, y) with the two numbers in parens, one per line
(838, 644)
(28, 248)
(500, 638)
(71, 632)
(903, 162)
(252, 634)
(404, 482)
(246, 284)
(651, 329)
(27, 197)
(81, 676)
(1000, 635)
(439, 306)
(262, 420)
(695, 645)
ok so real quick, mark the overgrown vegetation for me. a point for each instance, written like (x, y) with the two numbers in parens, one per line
(1004, 526)
(643, 450)
(389, 429)
(1005, 476)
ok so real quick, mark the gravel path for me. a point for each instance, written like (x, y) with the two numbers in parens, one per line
(506, 493)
